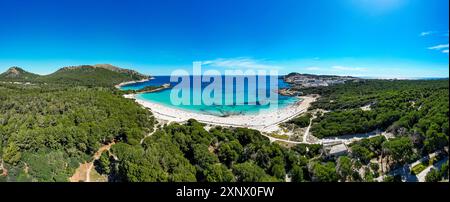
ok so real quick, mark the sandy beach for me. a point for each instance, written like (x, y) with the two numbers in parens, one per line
(265, 122)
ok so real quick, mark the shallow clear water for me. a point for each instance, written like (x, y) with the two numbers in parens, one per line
(249, 104)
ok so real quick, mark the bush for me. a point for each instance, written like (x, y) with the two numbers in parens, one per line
(433, 176)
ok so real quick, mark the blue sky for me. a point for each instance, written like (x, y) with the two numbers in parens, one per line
(377, 38)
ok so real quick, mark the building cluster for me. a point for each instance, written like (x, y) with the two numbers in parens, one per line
(307, 81)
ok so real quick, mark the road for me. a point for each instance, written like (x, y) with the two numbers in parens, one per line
(437, 166)
(305, 136)
(405, 171)
(83, 172)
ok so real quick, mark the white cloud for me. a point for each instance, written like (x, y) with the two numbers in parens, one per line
(434, 33)
(241, 62)
(344, 68)
(443, 47)
(438, 47)
(426, 33)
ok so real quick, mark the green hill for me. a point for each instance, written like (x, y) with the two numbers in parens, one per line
(18, 74)
(121, 70)
(85, 75)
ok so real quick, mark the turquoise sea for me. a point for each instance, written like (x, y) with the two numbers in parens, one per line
(249, 103)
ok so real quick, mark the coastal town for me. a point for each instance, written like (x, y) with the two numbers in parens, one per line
(298, 82)
(310, 80)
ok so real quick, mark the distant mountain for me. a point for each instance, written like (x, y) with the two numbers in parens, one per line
(18, 74)
(98, 75)
(121, 70)
(86, 75)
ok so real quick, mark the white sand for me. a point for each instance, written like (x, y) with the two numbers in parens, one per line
(266, 121)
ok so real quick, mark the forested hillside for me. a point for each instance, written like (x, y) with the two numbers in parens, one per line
(87, 75)
(190, 153)
(84, 75)
(14, 74)
(46, 131)
(418, 110)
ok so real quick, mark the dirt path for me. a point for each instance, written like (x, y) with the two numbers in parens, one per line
(305, 136)
(148, 135)
(405, 170)
(155, 128)
(83, 172)
(2, 167)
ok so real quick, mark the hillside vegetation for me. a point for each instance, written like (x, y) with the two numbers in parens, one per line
(46, 131)
(89, 76)
(181, 153)
(48, 128)
(418, 109)
(18, 74)
(85, 75)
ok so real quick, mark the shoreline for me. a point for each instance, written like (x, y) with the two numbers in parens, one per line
(133, 82)
(163, 87)
(266, 121)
